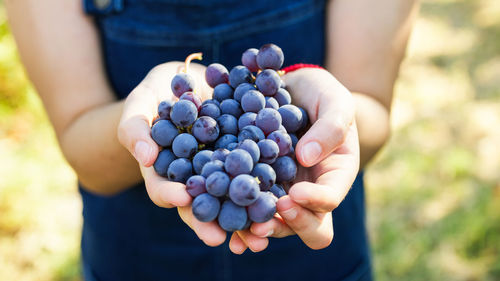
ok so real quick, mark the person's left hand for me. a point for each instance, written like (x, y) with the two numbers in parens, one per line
(329, 157)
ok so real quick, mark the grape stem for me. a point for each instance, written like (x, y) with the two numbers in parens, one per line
(185, 68)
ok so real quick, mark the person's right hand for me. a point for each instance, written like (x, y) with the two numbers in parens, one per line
(134, 133)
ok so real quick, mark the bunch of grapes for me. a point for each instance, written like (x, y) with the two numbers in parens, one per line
(233, 151)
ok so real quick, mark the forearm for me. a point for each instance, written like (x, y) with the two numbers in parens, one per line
(62, 59)
(366, 44)
(91, 147)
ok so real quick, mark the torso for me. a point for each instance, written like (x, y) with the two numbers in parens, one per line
(127, 237)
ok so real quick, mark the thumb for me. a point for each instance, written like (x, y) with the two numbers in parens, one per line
(134, 131)
(335, 113)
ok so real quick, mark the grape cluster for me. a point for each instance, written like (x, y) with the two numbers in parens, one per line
(235, 150)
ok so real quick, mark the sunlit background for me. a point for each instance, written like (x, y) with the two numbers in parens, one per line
(433, 192)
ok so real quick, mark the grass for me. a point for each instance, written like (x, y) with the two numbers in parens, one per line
(433, 192)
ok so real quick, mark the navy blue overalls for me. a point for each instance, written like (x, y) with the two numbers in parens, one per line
(127, 237)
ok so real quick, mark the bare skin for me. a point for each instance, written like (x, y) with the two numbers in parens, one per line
(366, 43)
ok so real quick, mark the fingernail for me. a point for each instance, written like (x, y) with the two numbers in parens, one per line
(269, 233)
(289, 214)
(310, 152)
(142, 152)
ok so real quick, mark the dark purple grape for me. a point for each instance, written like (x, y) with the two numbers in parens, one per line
(184, 146)
(283, 140)
(253, 101)
(291, 153)
(241, 90)
(278, 190)
(268, 120)
(283, 97)
(269, 151)
(232, 146)
(217, 184)
(305, 118)
(272, 103)
(244, 190)
(251, 147)
(264, 208)
(238, 162)
(205, 129)
(195, 185)
(292, 117)
(181, 83)
(200, 159)
(180, 170)
(165, 157)
(222, 92)
(265, 174)
(268, 82)
(183, 113)
(220, 154)
(285, 169)
(249, 59)
(216, 74)
(251, 132)
(231, 107)
(195, 99)
(295, 140)
(212, 167)
(164, 132)
(164, 109)
(228, 124)
(210, 109)
(212, 101)
(223, 141)
(247, 118)
(239, 74)
(232, 217)
(206, 207)
(270, 56)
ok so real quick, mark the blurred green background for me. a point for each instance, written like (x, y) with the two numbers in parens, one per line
(433, 191)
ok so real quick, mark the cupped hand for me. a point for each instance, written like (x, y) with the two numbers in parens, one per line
(329, 157)
(134, 133)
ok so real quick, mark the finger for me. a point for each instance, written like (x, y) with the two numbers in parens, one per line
(315, 229)
(164, 193)
(275, 227)
(254, 243)
(336, 176)
(236, 245)
(134, 129)
(208, 232)
(330, 108)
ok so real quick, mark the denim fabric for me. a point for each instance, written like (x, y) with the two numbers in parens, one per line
(127, 237)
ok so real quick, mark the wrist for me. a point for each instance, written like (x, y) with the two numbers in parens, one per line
(304, 78)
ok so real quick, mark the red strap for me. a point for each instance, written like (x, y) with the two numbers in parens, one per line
(296, 66)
